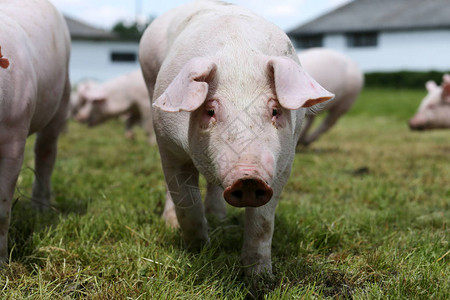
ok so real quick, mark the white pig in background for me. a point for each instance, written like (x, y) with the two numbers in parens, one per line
(229, 98)
(434, 111)
(126, 95)
(34, 97)
(338, 74)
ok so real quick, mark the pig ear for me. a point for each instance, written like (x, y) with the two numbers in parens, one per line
(189, 88)
(294, 87)
(446, 92)
(430, 85)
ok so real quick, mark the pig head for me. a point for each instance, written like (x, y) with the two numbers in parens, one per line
(434, 111)
(241, 145)
(89, 104)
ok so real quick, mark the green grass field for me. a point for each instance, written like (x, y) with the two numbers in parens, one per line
(365, 215)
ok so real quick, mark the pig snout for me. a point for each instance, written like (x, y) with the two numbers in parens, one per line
(248, 182)
(417, 123)
(248, 192)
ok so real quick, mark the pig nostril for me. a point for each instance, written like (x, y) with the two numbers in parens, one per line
(259, 193)
(237, 194)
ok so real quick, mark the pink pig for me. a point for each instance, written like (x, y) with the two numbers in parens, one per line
(34, 96)
(126, 95)
(434, 111)
(338, 74)
(229, 98)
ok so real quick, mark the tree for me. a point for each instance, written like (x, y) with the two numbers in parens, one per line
(131, 31)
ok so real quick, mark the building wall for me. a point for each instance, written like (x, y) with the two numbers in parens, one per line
(407, 50)
(92, 59)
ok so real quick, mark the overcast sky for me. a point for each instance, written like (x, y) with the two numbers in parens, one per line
(287, 14)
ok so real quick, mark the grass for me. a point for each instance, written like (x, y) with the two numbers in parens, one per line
(364, 216)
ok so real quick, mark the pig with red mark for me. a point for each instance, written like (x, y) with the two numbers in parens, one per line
(34, 97)
(126, 95)
(434, 111)
(338, 74)
(229, 96)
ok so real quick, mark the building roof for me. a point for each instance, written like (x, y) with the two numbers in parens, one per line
(380, 15)
(83, 31)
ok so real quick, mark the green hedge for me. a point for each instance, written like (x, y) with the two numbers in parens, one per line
(402, 79)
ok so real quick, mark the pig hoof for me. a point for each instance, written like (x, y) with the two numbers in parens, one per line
(171, 219)
(41, 205)
(258, 270)
(260, 284)
(197, 244)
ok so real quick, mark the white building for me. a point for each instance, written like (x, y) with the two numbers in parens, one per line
(99, 54)
(384, 35)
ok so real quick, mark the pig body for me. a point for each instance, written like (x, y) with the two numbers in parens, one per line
(338, 74)
(229, 97)
(34, 96)
(434, 111)
(126, 95)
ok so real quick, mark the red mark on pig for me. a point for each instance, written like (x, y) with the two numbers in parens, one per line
(4, 62)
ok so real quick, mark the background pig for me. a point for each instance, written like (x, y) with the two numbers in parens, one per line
(338, 74)
(229, 97)
(434, 111)
(126, 95)
(34, 96)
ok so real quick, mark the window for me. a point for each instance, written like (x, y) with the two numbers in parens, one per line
(362, 39)
(308, 41)
(123, 56)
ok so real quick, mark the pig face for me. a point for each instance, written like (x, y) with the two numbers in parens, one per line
(434, 111)
(241, 127)
(90, 104)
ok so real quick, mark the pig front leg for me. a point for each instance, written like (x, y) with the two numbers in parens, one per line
(11, 158)
(256, 250)
(259, 225)
(182, 182)
(214, 201)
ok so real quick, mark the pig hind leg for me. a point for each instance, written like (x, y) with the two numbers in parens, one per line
(214, 202)
(11, 158)
(45, 149)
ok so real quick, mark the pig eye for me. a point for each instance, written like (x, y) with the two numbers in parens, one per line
(275, 112)
(210, 112)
